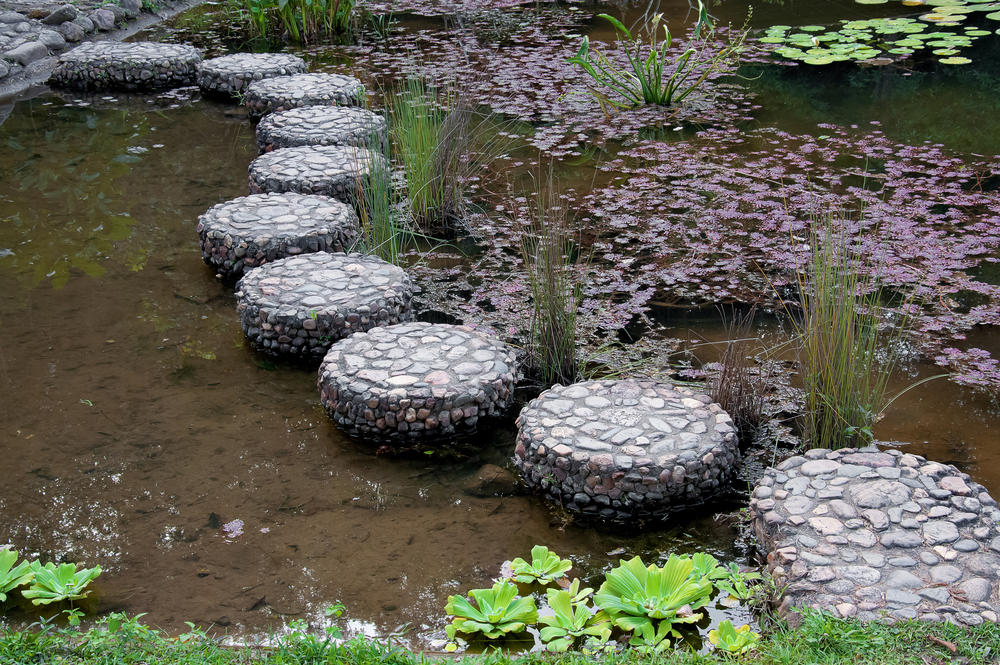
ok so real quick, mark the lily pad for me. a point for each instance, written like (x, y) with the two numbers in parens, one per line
(954, 60)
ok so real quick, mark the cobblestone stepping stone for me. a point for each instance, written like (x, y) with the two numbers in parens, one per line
(416, 380)
(230, 75)
(321, 125)
(627, 449)
(251, 230)
(287, 92)
(880, 534)
(300, 305)
(130, 66)
(331, 170)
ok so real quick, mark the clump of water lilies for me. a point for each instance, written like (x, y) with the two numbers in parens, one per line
(644, 606)
(869, 39)
(43, 584)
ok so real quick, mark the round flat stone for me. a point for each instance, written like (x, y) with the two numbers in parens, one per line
(632, 448)
(251, 230)
(300, 305)
(330, 170)
(287, 92)
(132, 66)
(230, 75)
(321, 125)
(922, 528)
(416, 380)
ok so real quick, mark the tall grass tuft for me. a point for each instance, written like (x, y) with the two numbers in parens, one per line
(384, 231)
(550, 254)
(849, 348)
(740, 385)
(443, 141)
(301, 21)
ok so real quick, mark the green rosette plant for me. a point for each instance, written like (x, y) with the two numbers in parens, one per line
(53, 584)
(11, 576)
(734, 640)
(572, 618)
(637, 596)
(545, 568)
(498, 611)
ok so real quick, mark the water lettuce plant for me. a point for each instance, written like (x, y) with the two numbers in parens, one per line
(545, 567)
(497, 611)
(53, 584)
(734, 640)
(637, 597)
(572, 619)
(738, 584)
(11, 576)
(651, 76)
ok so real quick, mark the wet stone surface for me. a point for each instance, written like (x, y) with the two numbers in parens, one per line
(288, 92)
(299, 306)
(229, 75)
(321, 125)
(330, 170)
(416, 381)
(880, 535)
(251, 230)
(133, 66)
(621, 450)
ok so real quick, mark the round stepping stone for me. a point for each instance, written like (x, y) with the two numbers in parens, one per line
(331, 170)
(230, 75)
(879, 535)
(321, 125)
(621, 450)
(249, 231)
(300, 305)
(288, 92)
(416, 380)
(131, 66)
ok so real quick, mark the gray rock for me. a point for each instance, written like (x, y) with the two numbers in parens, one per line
(902, 579)
(26, 53)
(103, 19)
(905, 539)
(946, 573)
(71, 32)
(976, 589)
(492, 480)
(938, 532)
(131, 7)
(61, 14)
(9, 17)
(53, 40)
(85, 24)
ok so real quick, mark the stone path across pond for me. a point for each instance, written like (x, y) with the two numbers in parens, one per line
(330, 170)
(229, 76)
(872, 534)
(321, 125)
(130, 66)
(288, 92)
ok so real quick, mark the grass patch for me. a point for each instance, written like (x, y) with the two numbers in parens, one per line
(821, 639)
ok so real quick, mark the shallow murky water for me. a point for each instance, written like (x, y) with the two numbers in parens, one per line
(139, 431)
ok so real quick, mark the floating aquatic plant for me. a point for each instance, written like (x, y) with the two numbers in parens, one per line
(867, 39)
(497, 611)
(734, 640)
(572, 618)
(545, 567)
(11, 576)
(52, 584)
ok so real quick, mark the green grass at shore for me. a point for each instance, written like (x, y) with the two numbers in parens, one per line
(820, 640)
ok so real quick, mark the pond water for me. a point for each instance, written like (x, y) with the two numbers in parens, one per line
(141, 433)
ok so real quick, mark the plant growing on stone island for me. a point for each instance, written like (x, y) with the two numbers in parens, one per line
(302, 21)
(734, 640)
(52, 584)
(11, 576)
(572, 619)
(648, 600)
(498, 611)
(555, 280)
(545, 568)
(651, 78)
(383, 233)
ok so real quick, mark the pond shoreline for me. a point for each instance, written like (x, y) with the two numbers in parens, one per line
(27, 81)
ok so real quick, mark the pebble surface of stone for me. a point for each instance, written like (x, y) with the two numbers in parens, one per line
(880, 535)
(628, 449)
(230, 75)
(331, 170)
(132, 66)
(287, 92)
(416, 380)
(251, 230)
(300, 305)
(321, 125)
